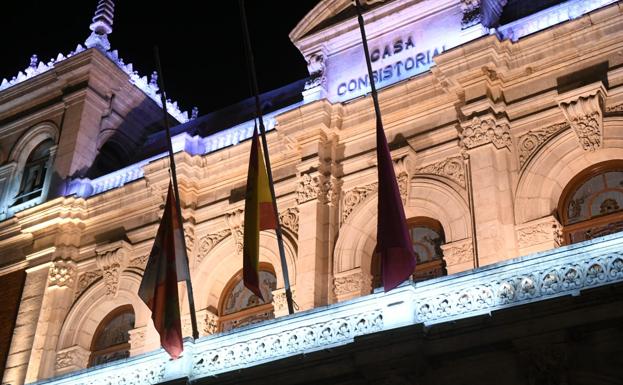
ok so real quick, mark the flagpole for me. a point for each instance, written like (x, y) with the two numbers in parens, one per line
(253, 80)
(163, 98)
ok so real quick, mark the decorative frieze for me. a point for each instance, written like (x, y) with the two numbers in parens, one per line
(616, 108)
(479, 132)
(280, 301)
(112, 259)
(583, 108)
(71, 359)
(207, 243)
(354, 197)
(85, 280)
(308, 188)
(452, 168)
(138, 263)
(547, 230)
(350, 284)
(137, 339)
(458, 253)
(531, 141)
(62, 273)
(290, 219)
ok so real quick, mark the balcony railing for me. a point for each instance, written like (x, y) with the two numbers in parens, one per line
(559, 272)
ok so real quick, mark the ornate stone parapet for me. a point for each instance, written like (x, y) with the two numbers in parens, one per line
(351, 284)
(584, 108)
(539, 235)
(71, 359)
(112, 259)
(459, 255)
(484, 130)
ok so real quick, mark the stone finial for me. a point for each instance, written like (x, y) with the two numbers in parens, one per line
(34, 61)
(153, 80)
(194, 113)
(101, 26)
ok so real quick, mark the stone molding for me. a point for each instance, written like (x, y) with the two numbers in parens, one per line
(530, 142)
(481, 131)
(583, 108)
(111, 260)
(62, 273)
(458, 253)
(452, 168)
(71, 359)
(208, 242)
(545, 230)
(289, 219)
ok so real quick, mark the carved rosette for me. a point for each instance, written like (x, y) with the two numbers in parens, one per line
(62, 273)
(451, 168)
(351, 284)
(309, 187)
(71, 359)
(458, 253)
(207, 243)
(85, 280)
(531, 141)
(112, 259)
(290, 219)
(583, 108)
(546, 231)
(354, 197)
(479, 132)
(235, 220)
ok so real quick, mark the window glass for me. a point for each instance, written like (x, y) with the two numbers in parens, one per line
(112, 340)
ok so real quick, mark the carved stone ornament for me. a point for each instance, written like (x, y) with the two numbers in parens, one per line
(615, 108)
(208, 323)
(458, 252)
(479, 132)
(235, 220)
(546, 364)
(280, 301)
(70, 359)
(316, 67)
(62, 273)
(530, 142)
(583, 108)
(290, 219)
(137, 337)
(547, 230)
(207, 243)
(85, 280)
(350, 283)
(471, 12)
(112, 259)
(331, 191)
(139, 262)
(354, 197)
(189, 239)
(308, 188)
(451, 168)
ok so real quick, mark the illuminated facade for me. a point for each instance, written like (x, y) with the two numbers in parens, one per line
(505, 121)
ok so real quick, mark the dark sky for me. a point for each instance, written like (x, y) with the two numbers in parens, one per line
(201, 49)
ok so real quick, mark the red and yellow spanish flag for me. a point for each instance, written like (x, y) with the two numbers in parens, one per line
(166, 266)
(259, 214)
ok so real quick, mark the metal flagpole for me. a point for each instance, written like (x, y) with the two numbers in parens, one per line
(163, 98)
(253, 79)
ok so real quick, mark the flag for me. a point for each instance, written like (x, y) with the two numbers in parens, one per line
(393, 242)
(167, 265)
(259, 214)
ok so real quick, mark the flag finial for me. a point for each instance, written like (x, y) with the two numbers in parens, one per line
(101, 26)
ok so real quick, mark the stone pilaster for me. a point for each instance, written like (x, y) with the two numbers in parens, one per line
(487, 141)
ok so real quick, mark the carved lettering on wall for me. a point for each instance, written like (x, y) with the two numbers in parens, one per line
(62, 273)
(207, 243)
(583, 109)
(479, 132)
(290, 219)
(354, 197)
(451, 168)
(531, 141)
(308, 188)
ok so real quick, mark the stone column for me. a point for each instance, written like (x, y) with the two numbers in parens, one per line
(487, 141)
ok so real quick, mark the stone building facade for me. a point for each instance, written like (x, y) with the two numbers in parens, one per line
(505, 122)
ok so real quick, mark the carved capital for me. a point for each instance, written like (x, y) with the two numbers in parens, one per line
(331, 191)
(458, 253)
(112, 259)
(290, 219)
(584, 108)
(71, 359)
(309, 187)
(62, 273)
(137, 340)
(538, 235)
(207, 322)
(451, 168)
(350, 284)
(280, 302)
(207, 243)
(481, 131)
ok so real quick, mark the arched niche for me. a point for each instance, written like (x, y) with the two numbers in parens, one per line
(223, 262)
(543, 179)
(428, 198)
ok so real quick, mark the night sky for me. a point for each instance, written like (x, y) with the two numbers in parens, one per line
(201, 49)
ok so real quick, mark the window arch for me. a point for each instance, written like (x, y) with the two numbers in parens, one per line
(34, 173)
(427, 236)
(239, 307)
(592, 203)
(111, 340)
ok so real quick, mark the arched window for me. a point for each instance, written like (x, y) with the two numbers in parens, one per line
(111, 341)
(592, 203)
(427, 236)
(34, 173)
(239, 306)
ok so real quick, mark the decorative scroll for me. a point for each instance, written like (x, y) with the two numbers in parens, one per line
(530, 142)
(479, 132)
(451, 168)
(207, 243)
(290, 219)
(85, 280)
(354, 197)
(285, 343)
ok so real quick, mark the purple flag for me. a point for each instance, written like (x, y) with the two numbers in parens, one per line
(393, 241)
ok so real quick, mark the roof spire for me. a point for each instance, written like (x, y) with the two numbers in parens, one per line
(101, 25)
